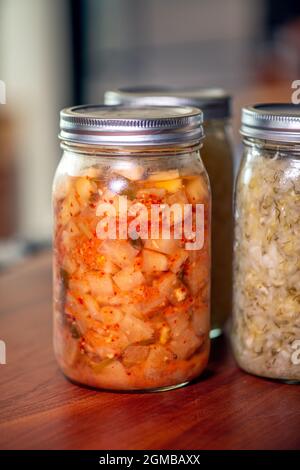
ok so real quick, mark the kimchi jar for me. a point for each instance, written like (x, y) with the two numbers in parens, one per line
(217, 156)
(266, 322)
(131, 248)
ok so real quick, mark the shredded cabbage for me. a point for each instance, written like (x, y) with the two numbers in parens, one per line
(266, 320)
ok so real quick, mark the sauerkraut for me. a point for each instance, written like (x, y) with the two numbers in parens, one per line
(128, 313)
(266, 323)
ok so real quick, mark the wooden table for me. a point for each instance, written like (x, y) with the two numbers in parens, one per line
(40, 409)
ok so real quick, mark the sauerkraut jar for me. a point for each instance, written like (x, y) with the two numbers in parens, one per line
(131, 248)
(266, 322)
(217, 156)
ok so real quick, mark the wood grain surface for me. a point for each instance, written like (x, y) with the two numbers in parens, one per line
(40, 409)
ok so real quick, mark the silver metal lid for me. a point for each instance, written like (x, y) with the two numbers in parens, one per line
(120, 125)
(214, 102)
(277, 122)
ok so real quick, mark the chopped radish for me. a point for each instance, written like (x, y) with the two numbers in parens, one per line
(85, 188)
(79, 285)
(69, 265)
(106, 343)
(68, 236)
(85, 230)
(178, 198)
(107, 266)
(92, 306)
(69, 208)
(196, 190)
(135, 329)
(119, 202)
(164, 175)
(178, 321)
(158, 358)
(197, 276)
(171, 185)
(200, 320)
(150, 300)
(181, 201)
(120, 298)
(153, 261)
(72, 229)
(127, 280)
(114, 376)
(120, 252)
(132, 172)
(186, 344)
(83, 320)
(166, 284)
(177, 260)
(151, 306)
(135, 354)
(110, 315)
(100, 285)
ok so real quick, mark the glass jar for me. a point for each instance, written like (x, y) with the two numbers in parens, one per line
(131, 293)
(217, 156)
(266, 320)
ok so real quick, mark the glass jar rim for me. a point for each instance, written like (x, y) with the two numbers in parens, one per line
(276, 122)
(131, 126)
(215, 103)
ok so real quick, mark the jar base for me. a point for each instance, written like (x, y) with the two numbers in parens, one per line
(166, 388)
(275, 379)
(261, 374)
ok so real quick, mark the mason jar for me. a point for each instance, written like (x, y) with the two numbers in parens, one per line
(131, 204)
(266, 320)
(217, 156)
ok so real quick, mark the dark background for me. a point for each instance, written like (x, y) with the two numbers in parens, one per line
(54, 53)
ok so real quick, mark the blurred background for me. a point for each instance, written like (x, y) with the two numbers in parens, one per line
(56, 53)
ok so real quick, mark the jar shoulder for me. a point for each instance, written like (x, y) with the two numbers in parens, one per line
(134, 168)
